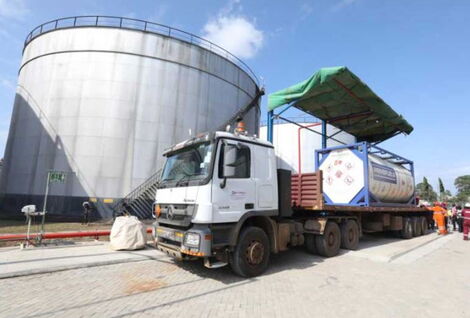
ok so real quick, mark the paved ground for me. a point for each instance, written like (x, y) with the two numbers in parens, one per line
(430, 281)
(16, 262)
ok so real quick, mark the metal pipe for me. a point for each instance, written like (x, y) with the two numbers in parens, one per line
(270, 125)
(43, 219)
(56, 235)
(323, 134)
(293, 122)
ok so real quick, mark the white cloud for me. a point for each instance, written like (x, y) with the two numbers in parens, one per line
(342, 4)
(7, 84)
(13, 9)
(306, 9)
(234, 32)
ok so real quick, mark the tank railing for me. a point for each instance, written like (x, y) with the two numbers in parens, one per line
(141, 25)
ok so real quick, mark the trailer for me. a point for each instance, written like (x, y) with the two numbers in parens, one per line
(223, 199)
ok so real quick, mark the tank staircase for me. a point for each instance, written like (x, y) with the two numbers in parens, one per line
(243, 111)
(139, 202)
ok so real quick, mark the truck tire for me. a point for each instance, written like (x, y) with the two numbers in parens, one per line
(424, 225)
(416, 226)
(328, 244)
(310, 243)
(251, 255)
(349, 235)
(407, 230)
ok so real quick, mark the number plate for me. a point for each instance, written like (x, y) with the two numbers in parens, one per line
(170, 234)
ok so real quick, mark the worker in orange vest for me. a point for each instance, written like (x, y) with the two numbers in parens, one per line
(439, 217)
(466, 221)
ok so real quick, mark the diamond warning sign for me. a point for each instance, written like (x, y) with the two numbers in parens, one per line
(343, 175)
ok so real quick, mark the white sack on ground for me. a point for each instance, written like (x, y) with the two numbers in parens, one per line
(127, 233)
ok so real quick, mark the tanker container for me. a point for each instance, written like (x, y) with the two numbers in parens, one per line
(365, 175)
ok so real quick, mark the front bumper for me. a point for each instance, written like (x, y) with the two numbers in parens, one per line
(172, 241)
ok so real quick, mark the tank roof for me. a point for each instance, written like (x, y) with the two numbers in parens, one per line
(137, 25)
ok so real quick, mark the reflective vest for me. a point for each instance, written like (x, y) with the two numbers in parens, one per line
(466, 214)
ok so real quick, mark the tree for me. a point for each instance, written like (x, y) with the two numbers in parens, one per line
(462, 184)
(444, 194)
(441, 186)
(442, 191)
(425, 191)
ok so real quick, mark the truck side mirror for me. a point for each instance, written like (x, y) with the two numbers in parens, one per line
(228, 164)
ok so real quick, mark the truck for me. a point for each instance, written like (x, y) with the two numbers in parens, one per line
(223, 199)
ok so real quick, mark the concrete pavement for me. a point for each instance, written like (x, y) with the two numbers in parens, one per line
(39, 260)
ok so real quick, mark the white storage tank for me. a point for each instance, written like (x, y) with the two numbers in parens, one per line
(286, 144)
(100, 98)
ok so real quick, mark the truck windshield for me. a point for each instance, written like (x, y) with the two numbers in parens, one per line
(191, 163)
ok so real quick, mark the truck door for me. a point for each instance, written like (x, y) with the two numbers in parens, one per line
(233, 187)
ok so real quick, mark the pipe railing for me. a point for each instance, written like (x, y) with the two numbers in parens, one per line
(57, 235)
(140, 25)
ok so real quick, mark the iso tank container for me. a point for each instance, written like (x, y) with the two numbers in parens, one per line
(292, 143)
(100, 98)
(364, 175)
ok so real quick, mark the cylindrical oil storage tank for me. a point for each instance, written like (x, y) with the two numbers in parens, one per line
(295, 146)
(100, 98)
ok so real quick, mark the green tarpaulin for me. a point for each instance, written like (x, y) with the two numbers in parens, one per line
(338, 96)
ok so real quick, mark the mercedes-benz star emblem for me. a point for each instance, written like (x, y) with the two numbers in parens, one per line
(170, 213)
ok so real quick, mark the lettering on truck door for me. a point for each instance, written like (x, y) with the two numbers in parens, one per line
(233, 187)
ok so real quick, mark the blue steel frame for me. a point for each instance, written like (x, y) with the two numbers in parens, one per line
(270, 126)
(362, 149)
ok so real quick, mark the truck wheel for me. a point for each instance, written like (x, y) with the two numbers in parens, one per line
(349, 235)
(251, 255)
(407, 230)
(328, 244)
(416, 226)
(424, 225)
(310, 243)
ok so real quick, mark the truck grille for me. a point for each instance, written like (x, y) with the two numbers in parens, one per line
(176, 214)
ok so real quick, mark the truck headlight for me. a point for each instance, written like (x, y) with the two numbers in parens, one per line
(192, 239)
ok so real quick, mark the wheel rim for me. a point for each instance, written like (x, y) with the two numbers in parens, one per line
(351, 235)
(331, 239)
(255, 253)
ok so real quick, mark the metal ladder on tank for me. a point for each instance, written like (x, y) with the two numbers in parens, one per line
(140, 201)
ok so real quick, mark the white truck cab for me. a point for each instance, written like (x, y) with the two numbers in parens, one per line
(209, 186)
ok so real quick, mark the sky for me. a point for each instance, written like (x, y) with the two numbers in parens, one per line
(413, 53)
